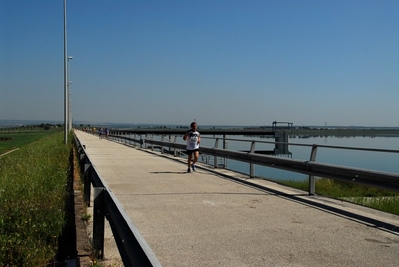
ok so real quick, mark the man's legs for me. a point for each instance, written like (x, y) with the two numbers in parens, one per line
(189, 157)
(195, 159)
(195, 156)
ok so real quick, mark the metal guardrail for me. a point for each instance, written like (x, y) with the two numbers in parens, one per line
(378, 179)
(132, 247)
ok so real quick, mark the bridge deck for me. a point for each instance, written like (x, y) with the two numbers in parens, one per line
(204, 219)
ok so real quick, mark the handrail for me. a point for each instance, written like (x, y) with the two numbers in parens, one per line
(310, 145)
(379, 179)
(284, 143)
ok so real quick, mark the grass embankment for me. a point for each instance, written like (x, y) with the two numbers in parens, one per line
(383, 200)
(32, 201)
(12, 138)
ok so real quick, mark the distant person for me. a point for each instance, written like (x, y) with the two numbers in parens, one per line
(193, 139)
(106, 133)
(100, 132)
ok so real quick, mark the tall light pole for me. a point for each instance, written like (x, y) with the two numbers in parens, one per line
(65, 80)
(69, 96)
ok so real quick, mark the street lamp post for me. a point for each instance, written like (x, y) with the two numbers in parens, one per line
(69, 96)
(65, 80)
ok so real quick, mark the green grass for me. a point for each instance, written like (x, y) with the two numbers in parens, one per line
(380, 199)
(18, 137)
(32, 201)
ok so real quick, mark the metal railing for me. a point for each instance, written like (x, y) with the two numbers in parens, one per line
(132, 247)
(378, 179)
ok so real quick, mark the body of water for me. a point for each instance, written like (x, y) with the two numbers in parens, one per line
(381, 161)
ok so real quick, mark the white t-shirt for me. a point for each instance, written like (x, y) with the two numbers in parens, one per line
(192, 140)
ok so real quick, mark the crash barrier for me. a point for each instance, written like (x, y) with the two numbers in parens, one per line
(133, 249)
(378, 179)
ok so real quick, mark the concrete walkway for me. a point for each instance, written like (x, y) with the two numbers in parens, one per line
(205, 219)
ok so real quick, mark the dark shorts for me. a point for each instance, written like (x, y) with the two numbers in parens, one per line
(189, 152)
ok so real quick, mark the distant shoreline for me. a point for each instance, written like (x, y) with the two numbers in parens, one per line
(300, 131)
(346, 132)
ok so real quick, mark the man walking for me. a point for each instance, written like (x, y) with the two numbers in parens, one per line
(193, 139)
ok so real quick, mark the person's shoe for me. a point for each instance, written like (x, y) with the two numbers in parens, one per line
(188, 170)
(193, 166)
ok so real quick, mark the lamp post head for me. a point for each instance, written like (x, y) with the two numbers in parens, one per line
(70, 57)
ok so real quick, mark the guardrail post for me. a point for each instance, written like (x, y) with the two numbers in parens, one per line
(99, 222)
(81, 152)
(312, 183)
(142, 141)
(87, 183)
(225, 146)
(82, 159)
(174, 149)
(225, 142)
(152, 145)
(171, 136)
(251, 165)
(215, 158)
(162, 140)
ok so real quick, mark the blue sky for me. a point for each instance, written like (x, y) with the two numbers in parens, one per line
(221, 62)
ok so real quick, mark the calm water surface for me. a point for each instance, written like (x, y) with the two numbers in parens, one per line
(381, 161)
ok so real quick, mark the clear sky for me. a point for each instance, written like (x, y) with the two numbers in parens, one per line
(221, 62)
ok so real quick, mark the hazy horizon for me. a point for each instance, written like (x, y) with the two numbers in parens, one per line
(4, 122)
